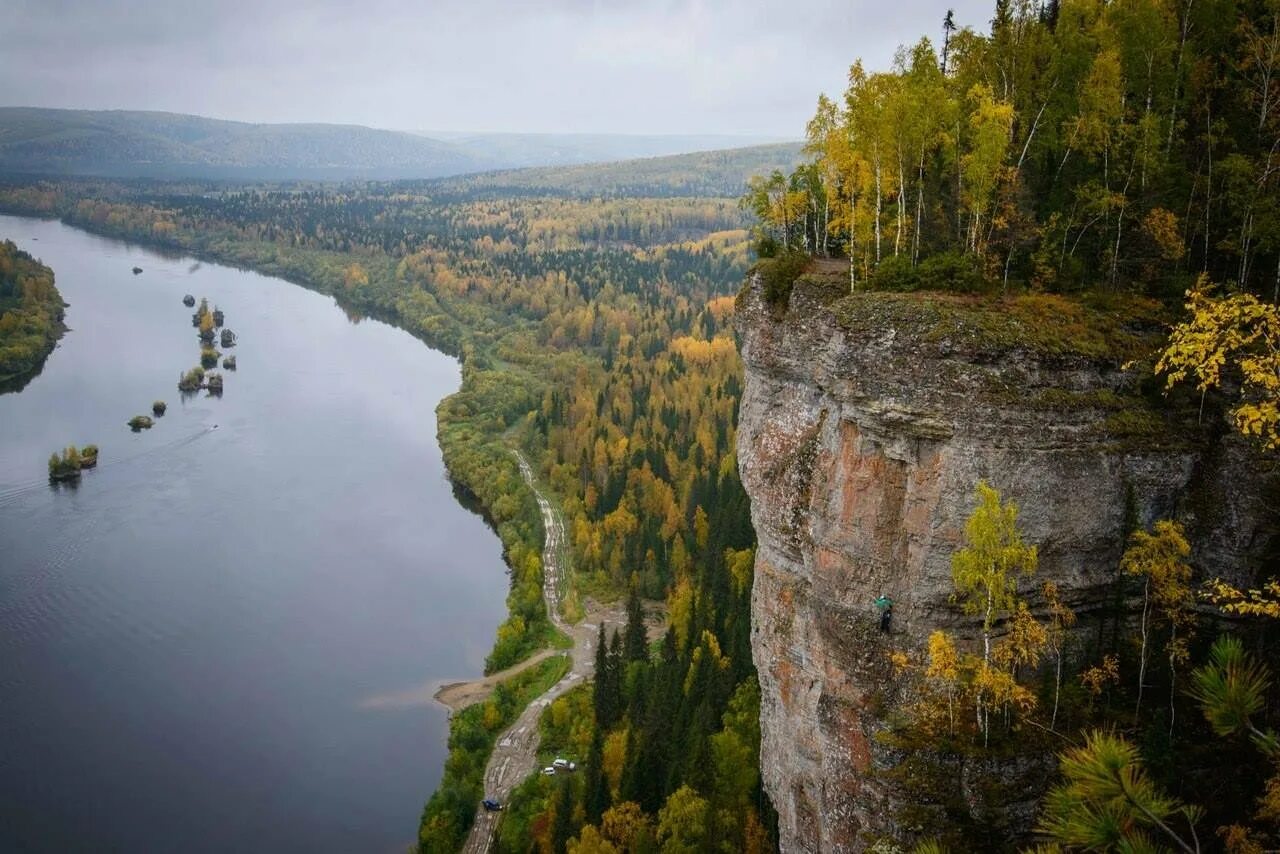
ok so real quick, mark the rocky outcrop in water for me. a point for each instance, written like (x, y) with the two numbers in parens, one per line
(865, 424)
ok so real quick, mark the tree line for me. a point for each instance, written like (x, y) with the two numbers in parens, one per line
(1078, 144)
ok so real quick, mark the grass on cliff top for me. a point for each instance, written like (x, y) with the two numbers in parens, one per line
(1107, 328)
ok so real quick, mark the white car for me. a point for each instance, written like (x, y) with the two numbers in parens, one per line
(564, 765)
(550, 771)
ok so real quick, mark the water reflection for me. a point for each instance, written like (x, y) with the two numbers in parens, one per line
(187, 633)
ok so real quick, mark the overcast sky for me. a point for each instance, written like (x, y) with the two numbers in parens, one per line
(609, 66)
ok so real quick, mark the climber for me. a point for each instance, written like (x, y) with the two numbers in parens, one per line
(885, 604)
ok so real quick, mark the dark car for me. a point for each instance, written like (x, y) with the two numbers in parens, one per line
(491, 805)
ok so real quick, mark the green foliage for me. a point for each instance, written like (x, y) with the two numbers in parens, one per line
(700, 174)
(1111, 333)
(30, 314)
(779, 274)
(472, 734)
(946, 271)
(1066, 150)
(65, 465)
(597, 335)
(565, 726)
(986, 570)
(684, 822)
(1231, 689)
(191, 380)
(1109, 803)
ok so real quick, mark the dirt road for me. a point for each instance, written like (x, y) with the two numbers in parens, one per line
(515, 756)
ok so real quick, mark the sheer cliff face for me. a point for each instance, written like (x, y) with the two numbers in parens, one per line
(865, 424)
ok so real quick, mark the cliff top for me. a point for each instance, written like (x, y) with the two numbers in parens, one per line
(1106, 328)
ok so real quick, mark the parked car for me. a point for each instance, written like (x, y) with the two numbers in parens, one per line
(490, 805)
(564, 765)
(549, 771)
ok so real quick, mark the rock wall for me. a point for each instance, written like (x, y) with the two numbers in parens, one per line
(865, 424)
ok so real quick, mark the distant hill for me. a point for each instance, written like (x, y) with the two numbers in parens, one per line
(124, 143)
(518, 150)
(700, 174)
(137, 144)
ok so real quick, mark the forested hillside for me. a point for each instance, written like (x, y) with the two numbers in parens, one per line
(133, 143)
(596, 335)
(30, 315)
(701, 174)
(525, 150)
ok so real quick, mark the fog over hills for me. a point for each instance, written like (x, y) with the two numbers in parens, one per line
(126, 143)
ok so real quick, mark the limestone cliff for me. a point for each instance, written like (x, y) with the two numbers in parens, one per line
(865, 424)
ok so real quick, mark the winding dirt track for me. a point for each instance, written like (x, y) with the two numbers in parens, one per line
(515, 756)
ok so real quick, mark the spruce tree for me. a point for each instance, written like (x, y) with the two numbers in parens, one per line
(600, 697)
(597, 794)
(562, 830)
(635, 645)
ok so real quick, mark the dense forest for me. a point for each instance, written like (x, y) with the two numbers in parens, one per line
(595, 333)
(1116, 161)
(1077, 145)
(30, 314)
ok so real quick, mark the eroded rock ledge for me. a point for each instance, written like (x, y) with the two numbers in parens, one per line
(865, 424)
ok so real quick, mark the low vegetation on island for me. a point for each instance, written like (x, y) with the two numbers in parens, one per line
(192, 380)
(31, 314)
(66, 465)
(207, 320)
(140, 422)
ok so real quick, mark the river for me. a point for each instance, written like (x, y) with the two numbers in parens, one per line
(223, 638)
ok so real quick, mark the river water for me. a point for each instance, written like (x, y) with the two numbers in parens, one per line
(222, 639)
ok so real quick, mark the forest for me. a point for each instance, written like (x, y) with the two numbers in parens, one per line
(1076, 145)
(30, 314)
(594, 332)
(1077, 158)
(1115, 160)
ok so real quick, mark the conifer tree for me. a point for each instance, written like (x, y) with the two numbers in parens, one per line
(562, 829)
(596, 797)
(636, 645)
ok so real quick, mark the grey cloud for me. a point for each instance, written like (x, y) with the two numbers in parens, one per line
(671, 66)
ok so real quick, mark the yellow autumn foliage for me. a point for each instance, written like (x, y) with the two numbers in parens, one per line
(1237, 333)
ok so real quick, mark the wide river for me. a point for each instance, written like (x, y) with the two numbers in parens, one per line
(225, 638)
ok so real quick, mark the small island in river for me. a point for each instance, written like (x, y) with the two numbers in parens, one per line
(192, 380)
(66, 465)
